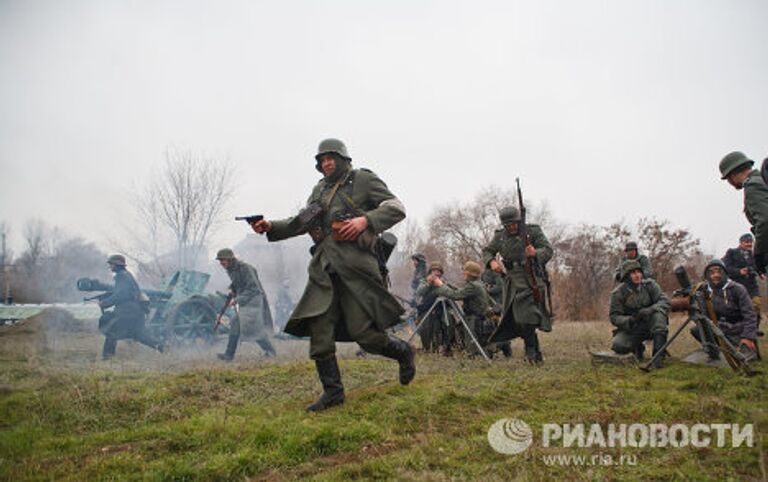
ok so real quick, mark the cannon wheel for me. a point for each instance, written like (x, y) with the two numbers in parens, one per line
(189, 321)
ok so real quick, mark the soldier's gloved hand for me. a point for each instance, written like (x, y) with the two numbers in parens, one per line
(760, 262)
(632, 322)
(646, 312)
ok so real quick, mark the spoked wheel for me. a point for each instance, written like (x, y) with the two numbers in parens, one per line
(191, 322)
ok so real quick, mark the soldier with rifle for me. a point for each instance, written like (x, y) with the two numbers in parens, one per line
(640, 311)
(253, 318)
(346, 298)
(740, 266)
(729, 306)
(131, 306)
(524, 251)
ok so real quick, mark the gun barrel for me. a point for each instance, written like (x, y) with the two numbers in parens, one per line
(92, 284)
(682, 277)
(250, 219)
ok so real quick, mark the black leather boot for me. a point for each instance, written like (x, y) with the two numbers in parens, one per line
(333, 390)
(506, 349)
(229, 354)
(532, 352)
(640, 351)
(659, 340)
(402, 352)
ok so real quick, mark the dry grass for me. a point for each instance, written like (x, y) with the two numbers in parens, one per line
(66, 415)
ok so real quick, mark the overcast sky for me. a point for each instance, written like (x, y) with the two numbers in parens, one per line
(607, 109)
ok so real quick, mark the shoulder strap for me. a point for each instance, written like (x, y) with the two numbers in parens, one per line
(335, 189)
(344, 194)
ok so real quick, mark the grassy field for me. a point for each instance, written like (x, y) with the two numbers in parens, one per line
(65, 415)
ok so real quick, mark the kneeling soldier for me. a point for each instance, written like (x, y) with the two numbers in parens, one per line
(639, 311)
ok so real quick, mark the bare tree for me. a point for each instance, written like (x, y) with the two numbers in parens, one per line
(462, 231)
(39, 239)
(585, 273)
(666, 247)
(185, 200)
(47, 270)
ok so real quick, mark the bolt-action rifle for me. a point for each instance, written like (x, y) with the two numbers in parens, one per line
(533, 268)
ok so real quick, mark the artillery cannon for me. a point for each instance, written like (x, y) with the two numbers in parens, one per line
(180, 313)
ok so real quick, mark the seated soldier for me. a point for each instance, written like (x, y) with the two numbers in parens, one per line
(639, 311)
(426, 296)
(476, 303)
(732, 305)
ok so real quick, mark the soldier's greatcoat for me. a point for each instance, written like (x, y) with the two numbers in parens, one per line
(351, 263)
(128, 317)
(756, 210)
(518, 296)
(254, 313)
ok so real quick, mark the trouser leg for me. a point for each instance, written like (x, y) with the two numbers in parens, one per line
(266, 345)
(757, 305)
(144, 337)
(370, 337)
(531, 341)
(425, 334)
(506, 348)
(232, 341)
(110, 345)
(322, 331)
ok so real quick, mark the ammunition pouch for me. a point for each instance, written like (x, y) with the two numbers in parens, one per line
(338, 221)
